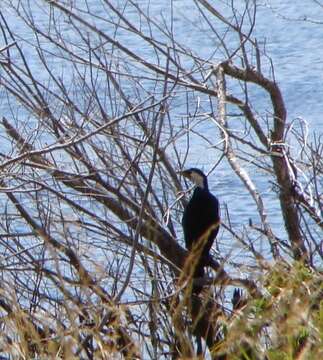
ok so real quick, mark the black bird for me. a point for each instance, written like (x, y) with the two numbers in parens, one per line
(201, 217)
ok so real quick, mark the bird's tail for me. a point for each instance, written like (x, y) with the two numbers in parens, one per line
(198, 275)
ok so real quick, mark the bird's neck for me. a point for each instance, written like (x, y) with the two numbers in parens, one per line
(202, 186)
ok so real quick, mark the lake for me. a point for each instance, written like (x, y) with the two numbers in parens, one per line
(289, 32)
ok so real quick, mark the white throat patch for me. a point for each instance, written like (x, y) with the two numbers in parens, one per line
(197, 179)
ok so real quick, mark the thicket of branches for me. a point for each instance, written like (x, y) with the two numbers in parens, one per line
(102, 106)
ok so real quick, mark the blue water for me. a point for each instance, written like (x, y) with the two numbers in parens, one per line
(293, 44)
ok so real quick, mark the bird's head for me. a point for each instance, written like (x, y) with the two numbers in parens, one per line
(196, 176)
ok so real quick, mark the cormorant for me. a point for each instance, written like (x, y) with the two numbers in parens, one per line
(201, 217)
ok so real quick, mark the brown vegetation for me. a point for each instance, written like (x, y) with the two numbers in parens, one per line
(94, 134)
